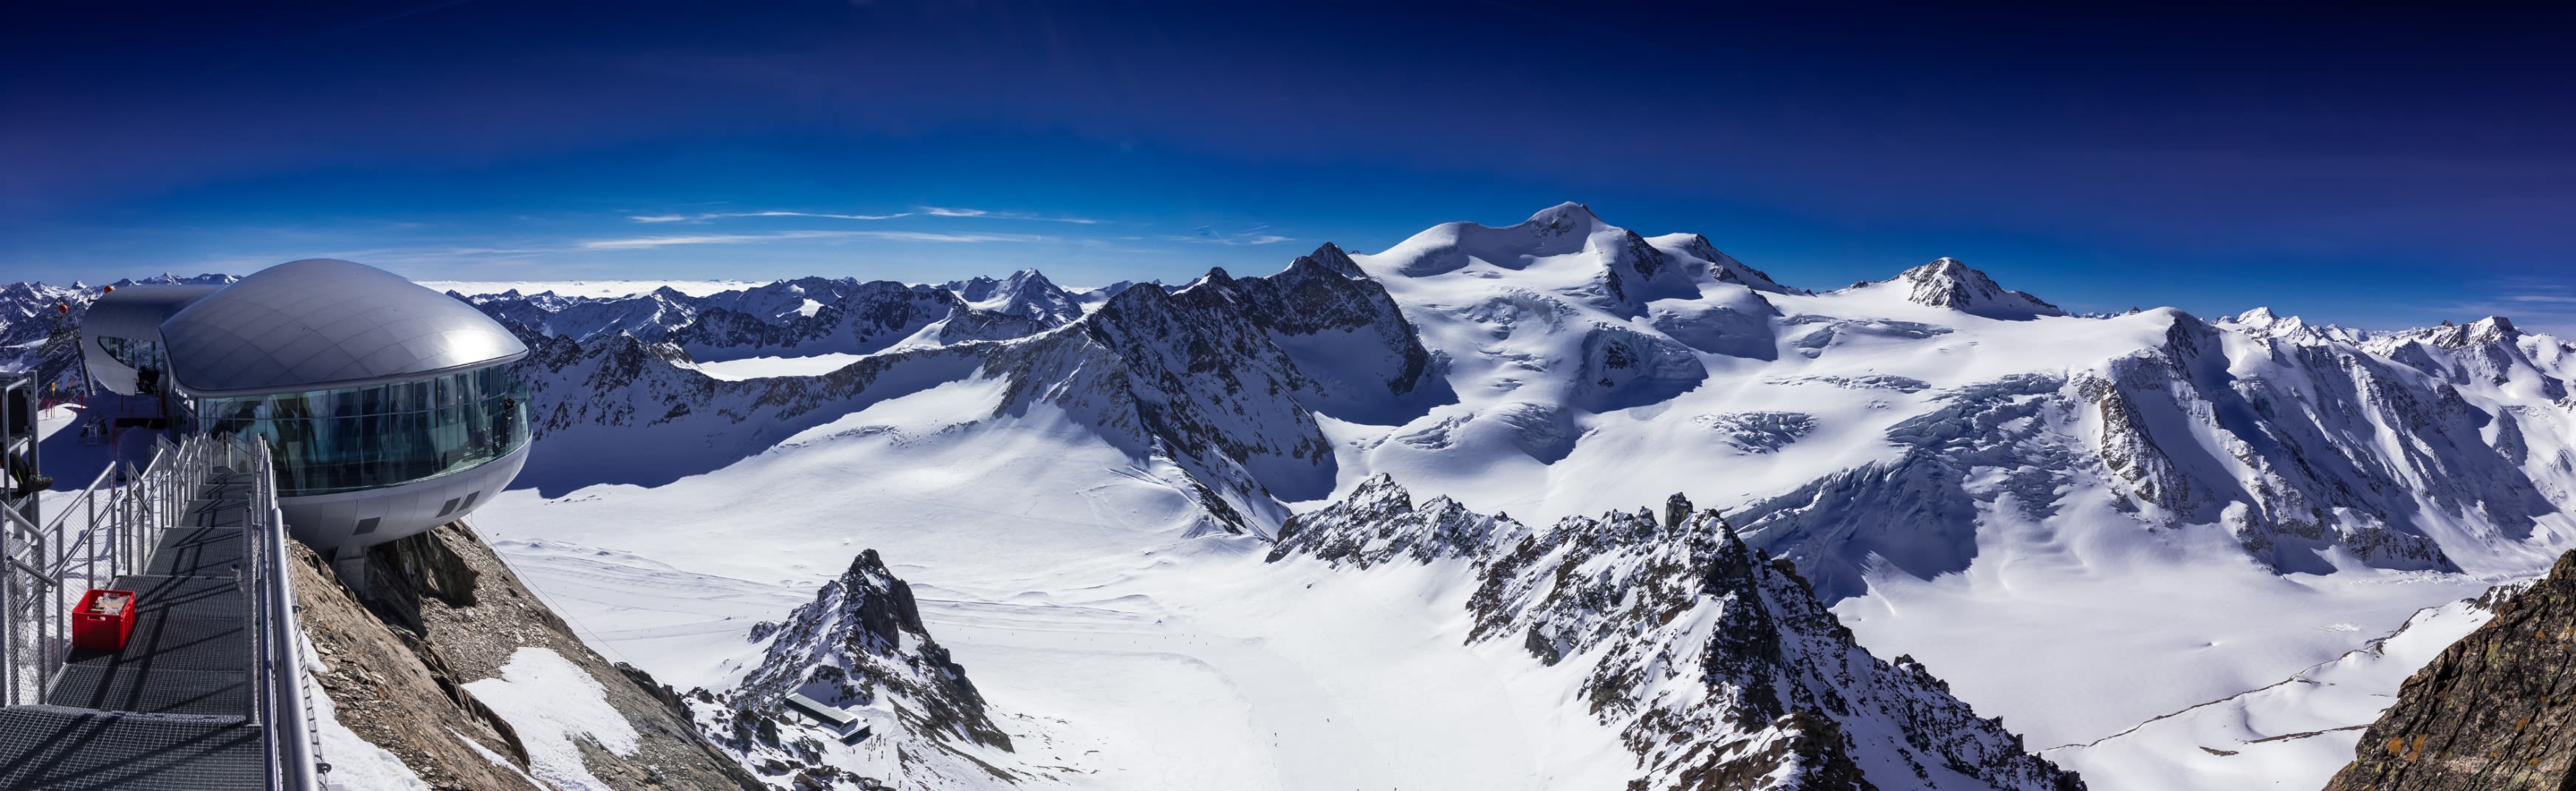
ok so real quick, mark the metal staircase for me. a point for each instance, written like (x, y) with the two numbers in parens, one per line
(208, 694)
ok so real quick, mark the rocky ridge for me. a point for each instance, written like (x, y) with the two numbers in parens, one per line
(1717, 665)
(859, 646)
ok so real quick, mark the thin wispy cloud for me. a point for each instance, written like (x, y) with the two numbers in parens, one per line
(1207, 234)
(925, 211)
(648, 242)
(2533, 304)
(912, 236)
(943, 211)
(660, 218)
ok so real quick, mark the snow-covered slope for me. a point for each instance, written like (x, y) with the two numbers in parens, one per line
(2291, 734)
(1717, 666)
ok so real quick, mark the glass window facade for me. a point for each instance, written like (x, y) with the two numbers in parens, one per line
(380, 435)
(132, 353)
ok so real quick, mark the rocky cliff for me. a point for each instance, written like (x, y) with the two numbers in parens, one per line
(859, 647)
(451, 664)
(2495, 712)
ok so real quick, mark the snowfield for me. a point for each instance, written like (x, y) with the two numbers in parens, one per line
(2294, 733)
(1131, 655)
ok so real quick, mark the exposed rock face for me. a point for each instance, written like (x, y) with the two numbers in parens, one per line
(1378, 522)
(388, 689)
(2495, 712)
(1697, 250)
(859, 646)
(1718, 666)
(1025, 293)
(1946, 283)
(443, 612)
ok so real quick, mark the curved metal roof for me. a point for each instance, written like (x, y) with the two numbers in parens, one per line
(320, 323)
(136, 311)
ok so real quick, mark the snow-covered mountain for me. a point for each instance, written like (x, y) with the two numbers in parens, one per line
(1946, 283)
(803, 317)
(1223, 377)
(859, 647)
(1716, 665)
(2078, 522)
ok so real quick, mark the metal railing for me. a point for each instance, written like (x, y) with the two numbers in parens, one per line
(110, 529)
(283, 696)
(106, 530)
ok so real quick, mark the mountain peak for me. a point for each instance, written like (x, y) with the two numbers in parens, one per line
(1567, 216)
(2493, 327)
(1331, 257)
(1949, 283)
(1026, 292)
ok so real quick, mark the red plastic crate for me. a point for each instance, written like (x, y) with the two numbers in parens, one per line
(95, 629)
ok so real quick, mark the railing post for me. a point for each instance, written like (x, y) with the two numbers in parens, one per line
(9, 622)
(47, 624)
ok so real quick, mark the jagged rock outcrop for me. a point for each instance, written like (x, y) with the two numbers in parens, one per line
(386, 688)
(2495, 712)
(441, 616)
(859, 646)
(1378, 522)
(1716, 664)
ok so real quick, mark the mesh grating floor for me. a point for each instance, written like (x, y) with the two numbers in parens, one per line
(222, 694)
(167, 711)
(198, 551)
(54, 747)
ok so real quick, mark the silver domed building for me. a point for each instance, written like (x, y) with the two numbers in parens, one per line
(390, 407)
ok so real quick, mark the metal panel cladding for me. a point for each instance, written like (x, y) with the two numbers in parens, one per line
(322, 323)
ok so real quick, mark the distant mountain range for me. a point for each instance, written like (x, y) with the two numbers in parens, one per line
(2151, 510)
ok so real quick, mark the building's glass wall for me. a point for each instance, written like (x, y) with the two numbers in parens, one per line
(132, 353)
(380, 435)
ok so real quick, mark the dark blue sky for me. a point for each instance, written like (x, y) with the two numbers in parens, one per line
(2370, 170)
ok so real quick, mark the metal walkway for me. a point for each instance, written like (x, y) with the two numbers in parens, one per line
(205, 695)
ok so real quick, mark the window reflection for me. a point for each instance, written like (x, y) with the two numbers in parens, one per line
(131, 353)
(381, 435)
